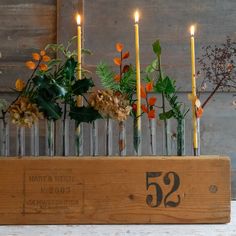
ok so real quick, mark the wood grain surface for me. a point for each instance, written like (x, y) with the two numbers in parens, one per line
(26, 27)
(130, 190)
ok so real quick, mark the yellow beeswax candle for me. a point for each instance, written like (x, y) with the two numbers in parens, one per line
(78, 18)
(138, 83)
(195, 134)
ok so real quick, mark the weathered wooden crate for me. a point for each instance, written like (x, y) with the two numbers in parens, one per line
(115, 190)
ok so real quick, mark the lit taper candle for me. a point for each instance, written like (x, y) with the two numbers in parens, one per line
(138, 85)
(78, 19)
(194, 93)
(79, 135)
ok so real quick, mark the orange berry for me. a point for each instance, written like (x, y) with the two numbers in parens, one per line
(151, 114)
(152, 101)
(125, 55)
(117, 78)
(119, 47)
(125, 69)
(117, 61)
(42, 53)
(143, 92)
(46, 58)
(19, 85)
(144, 108)
(31, 65)
(36, 56)
(43, 67)
(199, 112)
(149, 86)
(134, 106)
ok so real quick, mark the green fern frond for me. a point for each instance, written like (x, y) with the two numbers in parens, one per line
(104, 72)
(128, 82)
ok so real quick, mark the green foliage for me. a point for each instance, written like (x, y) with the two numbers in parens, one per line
(179, 110)
(82, 86)
(69, 69)
(166, 115)
(127, 84)
(156, 46)
(3, 105)
(107, 76)
(84, 114)
(152, 67)
(51, 109)
(166, 86)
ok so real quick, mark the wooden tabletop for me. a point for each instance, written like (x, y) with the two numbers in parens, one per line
(125, 230)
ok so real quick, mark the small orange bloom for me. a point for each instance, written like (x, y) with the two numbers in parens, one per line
(152, 101)
(151, 114)
(36, 56)
(125, 55)
(149, 86)
(43, 67)
(143, 92)
(42, 53)
(119, 47)
(31, 65)
(144, 108)
(199, 112)
(46, 58)
(19, 85)
(117, 78)
(117, 61)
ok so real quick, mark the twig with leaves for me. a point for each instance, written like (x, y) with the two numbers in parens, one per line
(217, 67)
(122, 85)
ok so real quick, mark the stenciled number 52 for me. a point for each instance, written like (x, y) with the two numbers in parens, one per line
(155, 199)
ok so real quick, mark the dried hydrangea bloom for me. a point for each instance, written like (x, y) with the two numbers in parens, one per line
(109, 104)
(24, 113)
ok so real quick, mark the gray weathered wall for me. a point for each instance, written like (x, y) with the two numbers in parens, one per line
(108, 22)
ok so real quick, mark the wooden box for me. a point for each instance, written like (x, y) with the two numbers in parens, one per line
(115, 190)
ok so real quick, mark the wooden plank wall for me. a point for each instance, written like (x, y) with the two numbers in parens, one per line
(28, 26)
(25, 27)
(108, 22)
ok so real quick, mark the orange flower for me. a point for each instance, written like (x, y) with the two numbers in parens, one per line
(151, 114)
(46, 58)
(43, 67)
(152, 101)
(31, 65)
(117, 78)
(144, 108)
(143, 92)
(42, 53)
(20, 84)
(119, 47)
(125, 55)
(36, 56)
(149, 86)
(199, 112)
(117, 61)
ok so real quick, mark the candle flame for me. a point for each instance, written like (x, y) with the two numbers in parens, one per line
(78, 19)
(192, 30)
(136, 16)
